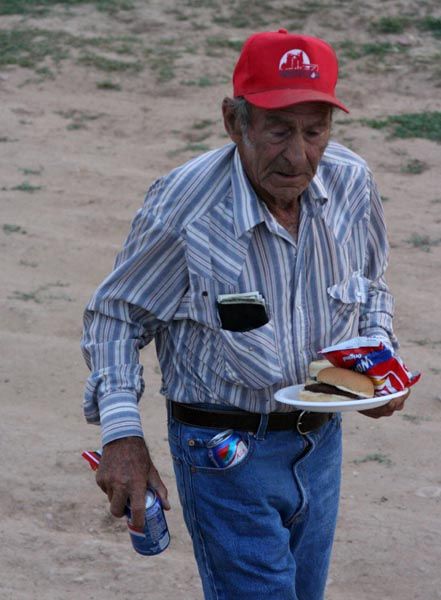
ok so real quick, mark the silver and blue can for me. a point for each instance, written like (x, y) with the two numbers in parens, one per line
(155, 537)
(226, 448)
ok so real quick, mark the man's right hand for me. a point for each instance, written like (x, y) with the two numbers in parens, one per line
(125, 472)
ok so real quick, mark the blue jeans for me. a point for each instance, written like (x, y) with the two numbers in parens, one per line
(262, 528)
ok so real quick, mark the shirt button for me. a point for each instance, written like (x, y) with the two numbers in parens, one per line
(191, 442)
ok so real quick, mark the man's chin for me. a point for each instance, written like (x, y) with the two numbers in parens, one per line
(286, 193)
(283, 198)
(294, 184)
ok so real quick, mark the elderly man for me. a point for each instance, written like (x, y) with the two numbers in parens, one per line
(241, 265)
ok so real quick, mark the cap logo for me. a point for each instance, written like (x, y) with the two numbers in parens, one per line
(296, 63)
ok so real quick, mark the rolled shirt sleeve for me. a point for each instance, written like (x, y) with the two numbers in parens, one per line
(137, 299)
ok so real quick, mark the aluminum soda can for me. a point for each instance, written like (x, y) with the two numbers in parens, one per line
(226, 448)
(155, 537)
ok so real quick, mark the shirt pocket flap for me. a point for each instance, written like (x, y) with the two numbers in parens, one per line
(353, 289)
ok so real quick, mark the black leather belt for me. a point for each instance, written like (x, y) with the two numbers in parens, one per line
(301, 420)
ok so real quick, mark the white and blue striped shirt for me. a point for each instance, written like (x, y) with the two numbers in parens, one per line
(201, 232)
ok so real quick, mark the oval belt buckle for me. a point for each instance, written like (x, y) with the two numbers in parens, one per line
(299, 424)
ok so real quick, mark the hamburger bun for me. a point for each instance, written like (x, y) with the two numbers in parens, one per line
(338, 385)
(316, 366)
(347, 380)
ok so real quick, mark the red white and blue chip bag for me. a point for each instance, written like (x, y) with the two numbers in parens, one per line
(371, 357)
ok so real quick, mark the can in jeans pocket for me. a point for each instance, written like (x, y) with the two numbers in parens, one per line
(226, 449)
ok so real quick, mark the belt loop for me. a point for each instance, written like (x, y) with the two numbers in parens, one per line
(261, 431)
(168, 404)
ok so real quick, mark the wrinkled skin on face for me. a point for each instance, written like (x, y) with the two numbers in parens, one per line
(281, 149)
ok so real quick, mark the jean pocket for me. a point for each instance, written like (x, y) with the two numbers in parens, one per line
(320, 435)
(198, 453)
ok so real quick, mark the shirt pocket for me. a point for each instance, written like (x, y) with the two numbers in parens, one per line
(345, 300)
(247, 358)
(251, 358)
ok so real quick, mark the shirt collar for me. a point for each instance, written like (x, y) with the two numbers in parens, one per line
(315, 197)
(247, 209)
(336, 211)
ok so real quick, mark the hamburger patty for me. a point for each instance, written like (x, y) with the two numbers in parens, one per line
(325, 388)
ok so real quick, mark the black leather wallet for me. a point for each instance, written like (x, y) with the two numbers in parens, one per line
(242, 316)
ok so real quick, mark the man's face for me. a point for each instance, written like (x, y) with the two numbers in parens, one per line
(282, 149)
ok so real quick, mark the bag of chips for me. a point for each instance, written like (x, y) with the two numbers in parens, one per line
(372, 358)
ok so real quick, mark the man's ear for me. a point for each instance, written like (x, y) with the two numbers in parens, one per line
(231, 124)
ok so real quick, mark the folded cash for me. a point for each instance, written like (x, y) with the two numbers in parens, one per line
(246, 297)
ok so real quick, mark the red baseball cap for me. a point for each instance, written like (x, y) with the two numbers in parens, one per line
(277, 69)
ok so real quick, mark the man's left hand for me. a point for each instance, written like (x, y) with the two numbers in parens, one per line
(387, 409)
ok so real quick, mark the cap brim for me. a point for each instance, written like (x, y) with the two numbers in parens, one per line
(282, 98)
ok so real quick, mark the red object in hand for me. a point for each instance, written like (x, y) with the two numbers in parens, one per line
(93, 457)
(346, 354)
(388, 376)
(370, 356)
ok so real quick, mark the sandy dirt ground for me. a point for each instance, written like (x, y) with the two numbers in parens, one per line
(79, 146)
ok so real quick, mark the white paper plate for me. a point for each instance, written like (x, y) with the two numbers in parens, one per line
(290, 395)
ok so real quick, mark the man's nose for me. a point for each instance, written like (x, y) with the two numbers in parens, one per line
(295, 149)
